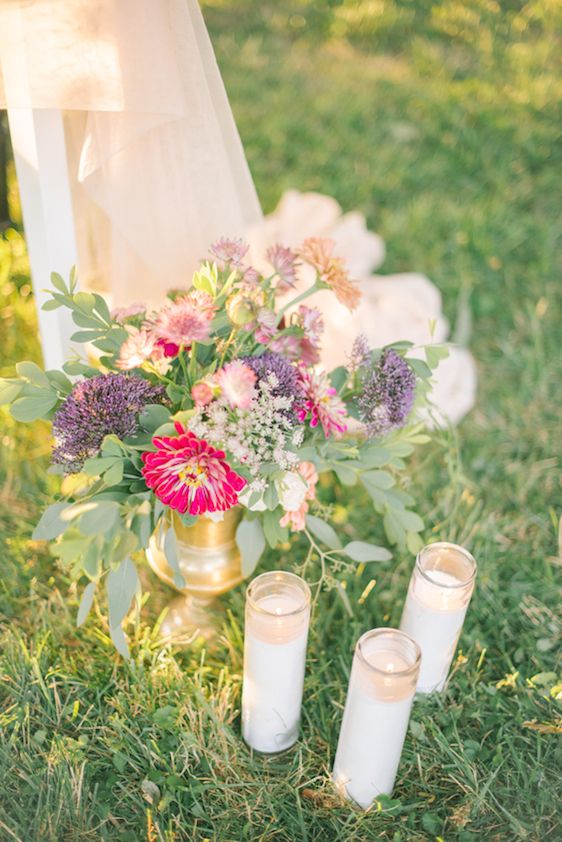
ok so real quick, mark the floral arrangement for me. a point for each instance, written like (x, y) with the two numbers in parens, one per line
(215, 400)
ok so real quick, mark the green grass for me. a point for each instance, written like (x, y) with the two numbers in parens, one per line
(442, 123)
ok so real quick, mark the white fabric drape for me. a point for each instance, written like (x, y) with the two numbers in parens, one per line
(156, 166)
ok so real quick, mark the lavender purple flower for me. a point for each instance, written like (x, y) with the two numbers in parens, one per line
(388, 394)
(288, 385)
(97, 407)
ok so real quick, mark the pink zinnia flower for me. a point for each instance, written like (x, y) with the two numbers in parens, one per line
(190, 475)
(136, 350)
(322, 404)
(236, 381)
(185, 320)
(297, 519)
(284, 261)
(230, 250)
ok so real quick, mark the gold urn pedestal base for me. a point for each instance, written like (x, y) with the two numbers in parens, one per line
(209, 562)
(189, 618)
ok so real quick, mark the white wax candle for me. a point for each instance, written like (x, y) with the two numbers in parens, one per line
(434, 615)
(274, 665)
(375, 720)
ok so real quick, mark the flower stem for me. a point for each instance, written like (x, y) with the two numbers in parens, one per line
(317, 285)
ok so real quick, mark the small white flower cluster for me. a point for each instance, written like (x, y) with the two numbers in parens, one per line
(259, 434)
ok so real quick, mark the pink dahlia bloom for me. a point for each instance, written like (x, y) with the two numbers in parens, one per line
(237, 381)
(322, 404)
(297, 520)
(186, 320)
(190, 475)
(136, 350)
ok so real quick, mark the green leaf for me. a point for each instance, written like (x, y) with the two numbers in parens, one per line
(323, 531)
(393, 528)
(31, 371)
(74, 367)
(409, 520)
(153, 416)
(114, 474)
(347, 476)
(95, 466)
(271, 497)
(99, 518)
(420, 368)
(171, 553)
(87, 335)
(84, 301)
(85, 603)
(58, 283)
(59, 381)
(52, 304)
(374, 457)
(50, 524)
(377, 479)
(338, 377)
(71, 549)
(102, 308)
(273, 531)
(122, 585)
(250, 539)
(9, 390)
(365, 552)
(119, 641)
(434, 354)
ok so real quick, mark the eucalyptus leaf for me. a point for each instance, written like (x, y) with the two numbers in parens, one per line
(323, 531)
(86, 603)
(32, 408)
(119, 641)
(377, 479)
(99, 519)
(364, 552)
(250, 539)
(50, 524)
(122, 585)
(31, 371)
(9, 390)
(153, 416)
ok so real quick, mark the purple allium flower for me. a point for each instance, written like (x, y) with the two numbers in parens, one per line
(360, 353)
(97, 407)
(229, 251)
(288, 385)
(388, 394)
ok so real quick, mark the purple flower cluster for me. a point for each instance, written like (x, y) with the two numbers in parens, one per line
(388, 394)
(97, 407)
(288, 384)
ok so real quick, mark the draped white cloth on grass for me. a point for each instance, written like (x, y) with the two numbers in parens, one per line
(155, 163)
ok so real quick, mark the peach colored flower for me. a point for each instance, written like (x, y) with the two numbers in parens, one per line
(318, 251)
(136, 350)
(202, 394)
(297, 520)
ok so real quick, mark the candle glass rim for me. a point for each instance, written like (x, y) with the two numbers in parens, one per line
(414, 666)
(281, 574)
(449, 546)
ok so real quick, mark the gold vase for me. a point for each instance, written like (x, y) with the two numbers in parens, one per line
(209, 561)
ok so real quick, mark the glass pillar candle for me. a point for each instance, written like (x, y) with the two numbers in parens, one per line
(276, 632)
(438, 596)
(377, 709)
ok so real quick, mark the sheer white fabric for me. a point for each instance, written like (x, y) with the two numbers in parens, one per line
(156, 167)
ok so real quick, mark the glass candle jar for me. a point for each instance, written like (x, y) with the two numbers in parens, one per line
(438, 596)
(275, 638)
(382, 685)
